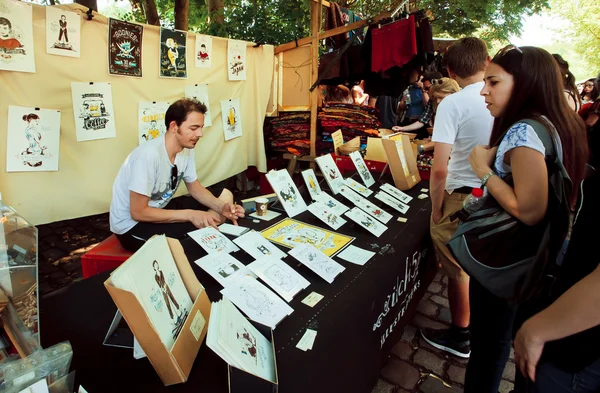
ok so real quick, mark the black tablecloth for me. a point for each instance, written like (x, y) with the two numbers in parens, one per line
(360, 318)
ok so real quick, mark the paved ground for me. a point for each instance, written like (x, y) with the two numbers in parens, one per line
(416, 367)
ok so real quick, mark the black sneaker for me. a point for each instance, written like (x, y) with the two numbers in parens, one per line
(442, 339)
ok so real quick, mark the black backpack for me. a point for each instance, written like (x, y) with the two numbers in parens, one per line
(512, 260)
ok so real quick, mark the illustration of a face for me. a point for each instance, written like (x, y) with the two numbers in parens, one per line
(34, 122)
(202, 48)
(153, 124)
(155, 266)
(63, 18)
(4, 30)
(170, 43)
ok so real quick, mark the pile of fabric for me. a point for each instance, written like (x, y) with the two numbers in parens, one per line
(290, 132)
(353, 120)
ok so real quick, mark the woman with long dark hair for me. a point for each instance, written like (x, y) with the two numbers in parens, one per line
(571, 92)
(520, 84)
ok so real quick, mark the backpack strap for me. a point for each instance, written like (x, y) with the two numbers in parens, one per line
(544, 134)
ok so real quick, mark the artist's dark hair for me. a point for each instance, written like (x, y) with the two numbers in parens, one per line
(594, 93)
(4, 21)
(538, 91)
(467, 56)
(30, 117)
(180, 109)
(568, 78)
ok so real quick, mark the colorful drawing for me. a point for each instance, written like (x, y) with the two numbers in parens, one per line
(93, 111)
(173, 53)
(326, 214)
(63, 32)
(33, 139)
(310, 179)
(124, 48)
(151, 120)
(290, 233)
(330, 171)
(16, 36)
(232, 121)
(366, 221)
(203, 51)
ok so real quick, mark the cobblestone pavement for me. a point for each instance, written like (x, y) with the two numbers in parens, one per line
(416, 367)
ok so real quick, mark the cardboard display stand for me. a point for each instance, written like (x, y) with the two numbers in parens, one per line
(241, 381)
(402, 161)
(172, 367)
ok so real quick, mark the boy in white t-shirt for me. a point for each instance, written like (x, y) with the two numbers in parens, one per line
(141, 206)
(462, 122)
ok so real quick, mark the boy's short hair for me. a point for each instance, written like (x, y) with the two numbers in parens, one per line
(467, 56)
(180, 109)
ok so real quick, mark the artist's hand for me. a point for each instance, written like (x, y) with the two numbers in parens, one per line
(436, 216)
(481, 159)
(233, 212)
(202, 219)
(528, 349)
(397, 129)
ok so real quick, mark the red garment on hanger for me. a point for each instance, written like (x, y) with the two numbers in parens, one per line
(393, 45)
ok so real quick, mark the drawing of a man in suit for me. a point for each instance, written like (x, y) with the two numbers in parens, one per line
(164, 287)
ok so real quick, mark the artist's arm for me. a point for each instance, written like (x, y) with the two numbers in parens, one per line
(576, 310)
(437, 182)
(205, 197)
(528, 200)
(141, 212)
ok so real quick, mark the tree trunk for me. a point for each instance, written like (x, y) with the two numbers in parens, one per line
(137, 10)
(216, 11)
(93, 4)
(182, 12)
(151, 13)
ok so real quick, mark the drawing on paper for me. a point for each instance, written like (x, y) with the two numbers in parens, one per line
(248, 342)
(124, 48)
(203, 51)
(236, 58)
(290, 233)
(172, 53)
(228, 270)
(281, 277)
(164, 288)
(151, 120)
(259, 301)
(16, 37)
(230, 113)
(62, 32)
(199, 92)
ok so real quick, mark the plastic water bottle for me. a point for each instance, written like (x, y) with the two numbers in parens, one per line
(474, 201)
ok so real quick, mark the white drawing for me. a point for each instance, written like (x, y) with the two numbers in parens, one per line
(93, 111)
(331, 172)
(203, 51)
(366, 221)
(151, 120)
(396, 193)
(361, 168)
(315, 260)
(232, 118)
(359, 188)
(392, 202)
(286, 191)
(312, 185)
(280, 277)
(63, 29)
(236, 59)
(325, 214)
(16, 36)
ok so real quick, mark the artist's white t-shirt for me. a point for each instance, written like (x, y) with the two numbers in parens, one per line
(463, 121)
(147, 171)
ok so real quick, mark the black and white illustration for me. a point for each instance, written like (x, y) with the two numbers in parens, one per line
(63, 32)
(361, 168)
(257, 246)
(396, 193)
(287, 192)
(331, 172)
(93, 111)
(257, 301)
(16, 36)
(365, 205)
(236, 60)
(33, 139)
(315, 260)
(326, 214)
(224, 268)
(366, 221)
(392, 202)
(279, 276)
(312, 185)
(213, 241)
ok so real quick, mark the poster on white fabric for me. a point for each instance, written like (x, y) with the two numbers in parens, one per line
(173, 48)
(232, 118)
(361, 168)
(199, 92)
(16, 36)
(63, 32)
(93, 110)
(33, 139)
(236, 60)
(203, 51)
(151, 120)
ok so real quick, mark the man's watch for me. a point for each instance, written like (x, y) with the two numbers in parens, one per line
(486, 177)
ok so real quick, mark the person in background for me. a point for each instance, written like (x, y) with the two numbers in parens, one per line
(590, 92)
(339, 93)
(520, 83)
(571, 92)
(558, 349)
(424, 121)
(462, 122)
(358, 94)
(593, 129)
(413, 99)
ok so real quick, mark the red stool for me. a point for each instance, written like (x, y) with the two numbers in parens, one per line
(107, 255)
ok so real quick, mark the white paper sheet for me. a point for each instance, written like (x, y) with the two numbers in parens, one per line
(366, 221)
(315, 260)
(93, 111)
(392, 202)
(232, 118)
(212, 241)
(200, 93)
(286, 191)
(396, 193)
(16, 51)
(258, 247)
(310, 179)
(257, 301)
(203, 51)
(361, 168)
(326, 214)
(33, 140)
(233, 230)
(236, 60)
(151, 120)
(365, 205)
(40, 386)
(279, 276)
(356, 255)
(357, 187)
(63, 32)
(336, 206)
(307, 341)
(331, 172)
(223, 267)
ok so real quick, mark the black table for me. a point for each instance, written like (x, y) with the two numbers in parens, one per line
(360, 318)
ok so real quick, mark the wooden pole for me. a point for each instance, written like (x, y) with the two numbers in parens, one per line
(315, 27)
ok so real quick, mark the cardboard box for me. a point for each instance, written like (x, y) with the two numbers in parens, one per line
(403, 163)
(172, 367)
(241, 381)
